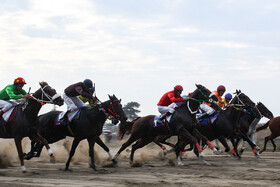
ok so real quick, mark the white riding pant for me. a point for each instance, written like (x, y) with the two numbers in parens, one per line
(6, 105)
(73, 102)
(170, 108)
(209, 110)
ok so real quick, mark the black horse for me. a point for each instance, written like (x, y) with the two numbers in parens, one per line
(24, 123)
(88, 126)
(227, 125)
(183, 123)
(249, 121)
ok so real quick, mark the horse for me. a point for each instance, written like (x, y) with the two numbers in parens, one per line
(249, 122)
(226, 125)
(183, 122)
(274, 127)
(24, 120)
(88, 126)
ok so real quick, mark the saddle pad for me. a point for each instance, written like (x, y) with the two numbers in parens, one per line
(70, 115)
(9, 114)
(205, 120)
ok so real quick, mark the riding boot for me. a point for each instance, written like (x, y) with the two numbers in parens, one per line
(64, 121)
(160, 120)
(199, 119)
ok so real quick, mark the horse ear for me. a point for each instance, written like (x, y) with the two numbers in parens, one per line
(197, 85)
(120, 100)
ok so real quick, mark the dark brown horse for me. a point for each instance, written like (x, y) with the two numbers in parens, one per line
(274, 127)
(183, 122)
(24, 123)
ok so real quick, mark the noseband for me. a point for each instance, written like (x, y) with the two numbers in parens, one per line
(112, 110)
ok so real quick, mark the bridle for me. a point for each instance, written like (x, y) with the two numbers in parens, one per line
(207, 99)
(111, 110)
(50, 100)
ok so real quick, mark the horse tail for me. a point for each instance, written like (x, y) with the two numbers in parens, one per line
(125, 127)
(262, 127)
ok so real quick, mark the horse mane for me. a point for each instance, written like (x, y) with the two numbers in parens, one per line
(43, 83)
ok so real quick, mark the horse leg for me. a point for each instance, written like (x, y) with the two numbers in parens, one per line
(30, 155)
(39, 138)
(224, 143)
(91, 143)
(274, 146)
(131, 139)
(102, 144)
(161, 146)
(266, 139)
(20, 153)
(204, 139)
(75, 143)
(183, 132)
(253, 146)
(235, 151)
(139, 144)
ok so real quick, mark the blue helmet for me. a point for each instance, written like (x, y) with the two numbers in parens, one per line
(228, 96)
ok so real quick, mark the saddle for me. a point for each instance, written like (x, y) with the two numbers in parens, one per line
(208, 120)
(74, 114)
(166, 120)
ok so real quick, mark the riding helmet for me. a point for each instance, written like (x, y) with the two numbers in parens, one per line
(178, 87)
(87, 83)
(228, 96)
(19, 80)
(221, 88)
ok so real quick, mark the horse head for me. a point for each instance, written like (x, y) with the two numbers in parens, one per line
(46, 94)
(116, 109)
(244, 101)
(204, 94)
(264, 111)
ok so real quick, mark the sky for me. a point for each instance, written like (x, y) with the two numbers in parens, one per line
(139, 50)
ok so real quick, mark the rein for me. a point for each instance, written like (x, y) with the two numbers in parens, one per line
(208, 100)
(50, 98)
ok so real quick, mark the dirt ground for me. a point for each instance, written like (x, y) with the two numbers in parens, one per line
(153, 169)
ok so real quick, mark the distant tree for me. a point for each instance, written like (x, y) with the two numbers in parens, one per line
(131, 110)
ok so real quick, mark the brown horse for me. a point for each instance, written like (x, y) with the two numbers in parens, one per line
(274, 126)
(24, 123)
(183, 122)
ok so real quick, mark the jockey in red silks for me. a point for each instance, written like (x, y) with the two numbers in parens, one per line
(169, 101)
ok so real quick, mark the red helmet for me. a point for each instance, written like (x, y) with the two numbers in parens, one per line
(19, 80)
(221, 88)
(178, 87)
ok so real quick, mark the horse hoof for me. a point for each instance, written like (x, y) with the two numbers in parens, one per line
(180, 164)
(206, 163)
(52, 160)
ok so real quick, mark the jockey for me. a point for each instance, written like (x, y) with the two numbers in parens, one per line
(169, 101)
(12, 91)
(207, 110)
(227, 99)
(71, 99)
(90, 101)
